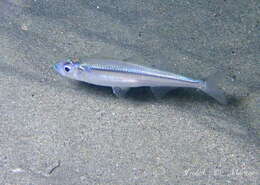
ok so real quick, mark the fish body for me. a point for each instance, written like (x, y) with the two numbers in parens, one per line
(122, 76)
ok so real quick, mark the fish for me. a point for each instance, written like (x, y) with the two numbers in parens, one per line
(122, 76)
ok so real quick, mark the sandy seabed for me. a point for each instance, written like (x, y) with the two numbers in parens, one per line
(58, 131)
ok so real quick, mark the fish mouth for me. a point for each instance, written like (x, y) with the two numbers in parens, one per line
(56, 67)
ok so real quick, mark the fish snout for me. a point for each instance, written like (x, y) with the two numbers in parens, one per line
(57, 67)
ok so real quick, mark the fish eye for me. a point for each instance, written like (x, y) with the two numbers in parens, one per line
(67, 68)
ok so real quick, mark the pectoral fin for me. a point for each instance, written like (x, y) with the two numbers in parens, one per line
(120, 91)
(160, 92)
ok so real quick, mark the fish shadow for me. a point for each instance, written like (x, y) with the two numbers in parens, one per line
(184, 99)
(140, 94)
(92, 89)
(181, 95)
(144, 94)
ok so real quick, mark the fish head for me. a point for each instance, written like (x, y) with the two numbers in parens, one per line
(68, 68)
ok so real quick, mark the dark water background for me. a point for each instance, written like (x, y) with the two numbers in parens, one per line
(185, 138)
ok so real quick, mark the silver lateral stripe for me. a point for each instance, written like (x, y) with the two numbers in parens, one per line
(139, 71)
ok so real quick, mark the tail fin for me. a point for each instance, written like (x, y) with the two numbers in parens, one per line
(212, 90)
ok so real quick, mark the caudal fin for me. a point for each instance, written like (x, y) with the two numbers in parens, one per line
(212, 89)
